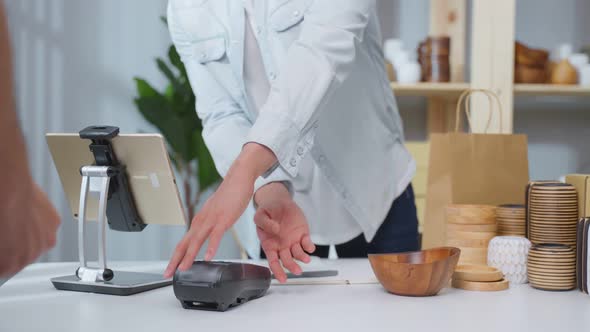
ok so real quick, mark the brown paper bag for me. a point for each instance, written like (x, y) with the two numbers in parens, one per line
(472, 169)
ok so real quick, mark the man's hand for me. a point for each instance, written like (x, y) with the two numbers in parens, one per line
(223, 208)
(282, 230)
(30, 224)
(218, 214)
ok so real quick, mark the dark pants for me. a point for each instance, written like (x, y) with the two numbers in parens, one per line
(398, 233)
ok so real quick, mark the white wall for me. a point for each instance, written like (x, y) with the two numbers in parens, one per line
(75, 62)
(558, 128)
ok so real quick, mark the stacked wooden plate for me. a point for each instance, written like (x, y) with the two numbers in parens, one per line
(552, 267)
(552, 213)
(511, 219)
(470, 228)
(479, 278)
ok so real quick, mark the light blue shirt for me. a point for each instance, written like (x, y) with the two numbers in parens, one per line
(329, 97)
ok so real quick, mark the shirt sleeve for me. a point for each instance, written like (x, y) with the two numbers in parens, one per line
(316, 64)
(225, 124)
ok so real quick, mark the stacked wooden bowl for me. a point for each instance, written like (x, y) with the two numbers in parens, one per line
(552, 213)
(470, 228)
(530, 65)
(552, 267)
(511, 219)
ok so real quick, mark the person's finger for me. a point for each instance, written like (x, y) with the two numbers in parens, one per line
(196, 242)
(307, 245)
(179, 252)
(275, 266)
(262, 220)
(299, 254)
(288, 261)
(214, 240)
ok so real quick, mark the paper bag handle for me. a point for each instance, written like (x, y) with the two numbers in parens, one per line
(465, 96)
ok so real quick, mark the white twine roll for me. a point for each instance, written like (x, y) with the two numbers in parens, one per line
(509, 254)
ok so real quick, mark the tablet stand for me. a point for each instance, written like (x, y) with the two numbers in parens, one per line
(107, 180)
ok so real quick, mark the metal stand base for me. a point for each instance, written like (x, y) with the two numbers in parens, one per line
(123, 283)
(101, 279)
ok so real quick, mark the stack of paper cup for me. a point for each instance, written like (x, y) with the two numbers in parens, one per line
(511, 219)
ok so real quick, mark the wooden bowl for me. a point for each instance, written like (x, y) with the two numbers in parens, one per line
(529, 56)
(419, 273)
(529, 75)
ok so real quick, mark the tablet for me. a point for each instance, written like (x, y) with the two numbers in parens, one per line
(151, 179)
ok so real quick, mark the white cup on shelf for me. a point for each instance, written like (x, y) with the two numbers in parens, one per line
(579, 61)
(391, 47)
(562, 51)
(409, 73)
(401, 59)
(584, 75)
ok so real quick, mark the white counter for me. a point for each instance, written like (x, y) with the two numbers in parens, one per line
(28, 302)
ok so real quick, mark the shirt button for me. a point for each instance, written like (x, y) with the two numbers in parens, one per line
(300, 151)
(203, 56)
(296, 13)
(316, 125)
(293, 162)
(322, 159)
(273, 76)
(259, 30)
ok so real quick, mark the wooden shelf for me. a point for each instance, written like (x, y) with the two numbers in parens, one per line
(551, 90)
(453, 90)
(445, 90)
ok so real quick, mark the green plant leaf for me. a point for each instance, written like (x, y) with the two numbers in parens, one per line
(156, 110)
(144, 89)
(176, 61)
(174, 161)
(170, 75)
(169, 93)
